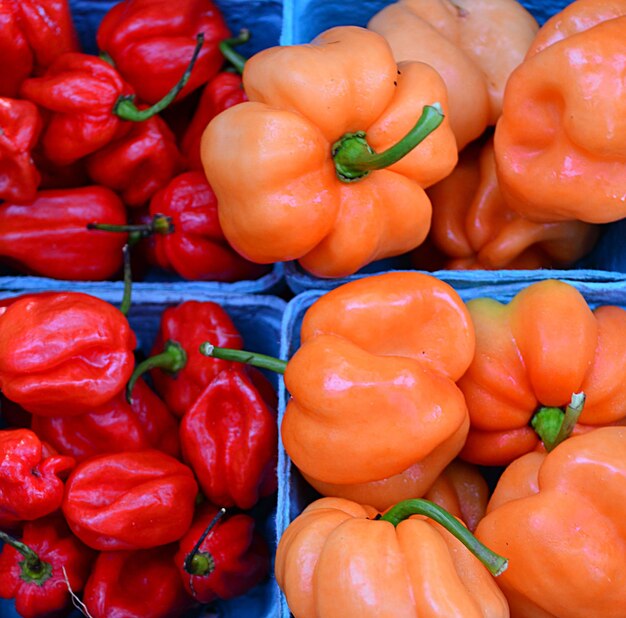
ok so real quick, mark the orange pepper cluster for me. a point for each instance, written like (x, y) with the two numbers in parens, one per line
(323, 164)
(397, 389)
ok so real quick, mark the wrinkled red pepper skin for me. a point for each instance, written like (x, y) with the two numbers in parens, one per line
(79, 91)
(20, 125)
(49, 236)
(64, 353)
(229, 438)
(151, 42)
(197, 249)
(136, 584)
(127, 501)
(52, 541)
(191, 324)
(115, 427)
(34, 34)
(240, 555)
(31, 473)
(139, 163)
(222, 92)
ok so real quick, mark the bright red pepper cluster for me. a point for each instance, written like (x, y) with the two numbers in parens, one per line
(135, 498)
(112, 140)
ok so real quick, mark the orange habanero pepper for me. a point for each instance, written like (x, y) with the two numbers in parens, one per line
(473, 44)
(320, 165)
(473, 226)
(560, 519)
(531, 356)
(560, 144)
(375, 414)
(339, 559)
(463, 491)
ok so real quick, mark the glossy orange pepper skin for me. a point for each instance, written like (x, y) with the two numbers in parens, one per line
(536, 351)
(270, 161)
(561, 141)
(463, 491)
(561, 521)
(391, 388)
(473, 44)
(334, 561)
(473, 226)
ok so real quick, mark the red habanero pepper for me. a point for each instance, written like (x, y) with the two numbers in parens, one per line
(64, 353)
(230, 560)
(136, 584)
(37, 570)
(150, 42)
(125, 501)
(49, 236)
(20, 125)
(88, 102)
(30, 477)
(139, 163)
(183, 233)
(197, 249)
(179, 371)
(114, 427)
(34, 34)
(222, 92)
(229, 438)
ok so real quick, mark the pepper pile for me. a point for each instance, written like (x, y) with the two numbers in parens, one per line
(104, 490)
(84, 140)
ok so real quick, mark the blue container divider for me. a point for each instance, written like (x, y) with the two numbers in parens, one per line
(271, 283)
(299, 280)
(258, 318)
(294, 493)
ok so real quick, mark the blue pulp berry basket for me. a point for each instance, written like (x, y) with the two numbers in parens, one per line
(294, 493)
(258, 318)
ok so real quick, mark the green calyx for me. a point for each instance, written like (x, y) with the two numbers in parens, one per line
(201, 564)
(33, 570)
(354, 158)
(553, 425)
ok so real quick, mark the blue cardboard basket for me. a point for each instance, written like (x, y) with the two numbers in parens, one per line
(303, 20)
(258, 318)
(294, 493)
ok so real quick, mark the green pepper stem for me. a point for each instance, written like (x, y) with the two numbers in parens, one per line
(495, 563)
(159, 224)
(202, 563)
(354, 158)
(128, 281)
(553, 425)
(126, 108)
(172, 359)
(226, 47)
(34, 569)
(262, 361)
